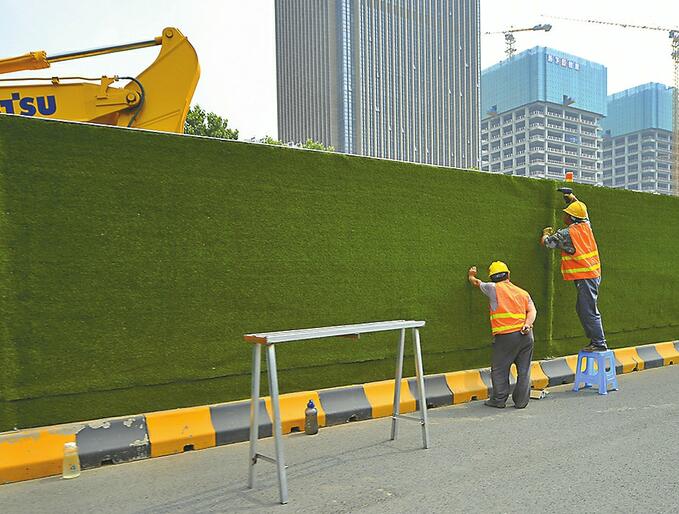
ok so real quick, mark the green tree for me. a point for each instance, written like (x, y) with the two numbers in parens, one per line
(310, 144)
(202, 123)
(268, 140)
(315, 145)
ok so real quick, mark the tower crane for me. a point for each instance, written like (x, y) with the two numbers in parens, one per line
(674, 36)
(510, 40)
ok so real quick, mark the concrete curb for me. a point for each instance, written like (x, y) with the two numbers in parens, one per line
(36, 453)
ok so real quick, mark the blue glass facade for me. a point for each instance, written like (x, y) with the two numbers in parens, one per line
(648, 106)
(542, 74)
(346, 75)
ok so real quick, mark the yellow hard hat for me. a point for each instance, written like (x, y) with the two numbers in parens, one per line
(497, 267)
(577, 209)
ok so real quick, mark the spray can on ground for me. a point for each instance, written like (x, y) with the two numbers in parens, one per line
(71, 468)
(310, 419)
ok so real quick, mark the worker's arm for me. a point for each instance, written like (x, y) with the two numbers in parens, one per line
(568, 195)
(471, 276)
(560, 239)
(531, 314)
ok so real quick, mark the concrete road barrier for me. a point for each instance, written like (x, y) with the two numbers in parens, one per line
(35, 453)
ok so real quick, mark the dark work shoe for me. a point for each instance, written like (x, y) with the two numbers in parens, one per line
(492, 403)
(520, 406)
(594, 348)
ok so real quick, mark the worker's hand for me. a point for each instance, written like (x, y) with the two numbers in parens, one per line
(569, 198)
(547, 231)
(472, 272)
(526, 328)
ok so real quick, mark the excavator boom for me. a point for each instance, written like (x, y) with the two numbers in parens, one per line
(158, 99)
(29, 61)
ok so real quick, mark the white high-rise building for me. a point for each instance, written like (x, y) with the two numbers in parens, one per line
(397, 79)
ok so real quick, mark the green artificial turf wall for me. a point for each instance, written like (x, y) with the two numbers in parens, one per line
(132, 263)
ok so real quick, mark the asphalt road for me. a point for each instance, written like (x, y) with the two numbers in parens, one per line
(571, 452)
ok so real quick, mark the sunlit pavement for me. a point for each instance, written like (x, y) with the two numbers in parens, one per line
(571, 452)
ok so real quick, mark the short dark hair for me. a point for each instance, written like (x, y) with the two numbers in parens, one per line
(499, 277)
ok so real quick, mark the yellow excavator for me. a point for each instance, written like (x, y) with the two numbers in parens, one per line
(158, 99)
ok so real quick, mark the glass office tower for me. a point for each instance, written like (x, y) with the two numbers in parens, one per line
(637, 145)
(541, 114)
(397, 79)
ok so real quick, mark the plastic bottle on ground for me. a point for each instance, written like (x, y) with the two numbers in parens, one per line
(71, 467)
(311, 419)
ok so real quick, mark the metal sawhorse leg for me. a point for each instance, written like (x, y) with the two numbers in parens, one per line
(269, 339)
(420, 388)
(254, 419)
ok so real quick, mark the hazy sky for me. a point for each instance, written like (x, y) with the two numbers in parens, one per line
(235, 42)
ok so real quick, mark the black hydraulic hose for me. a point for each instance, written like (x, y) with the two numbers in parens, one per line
(17, 79)
(142, 95)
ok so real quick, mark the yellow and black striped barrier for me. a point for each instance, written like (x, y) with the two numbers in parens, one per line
(36, 453)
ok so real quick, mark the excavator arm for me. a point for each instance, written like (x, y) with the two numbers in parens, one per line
(30, 61)
(158, 99)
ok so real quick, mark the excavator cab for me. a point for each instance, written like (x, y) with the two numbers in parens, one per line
(157, 99)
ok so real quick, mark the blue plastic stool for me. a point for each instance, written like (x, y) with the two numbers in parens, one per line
(595, 372)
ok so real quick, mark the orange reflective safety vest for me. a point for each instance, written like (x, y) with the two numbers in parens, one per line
(512, 306)
(584, 263)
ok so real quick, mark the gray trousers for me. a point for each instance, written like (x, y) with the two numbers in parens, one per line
(588, 311)
(508, 349)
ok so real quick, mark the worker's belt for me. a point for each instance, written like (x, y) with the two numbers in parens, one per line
(506, 327)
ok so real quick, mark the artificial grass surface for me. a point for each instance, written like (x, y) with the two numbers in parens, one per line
(133, 263)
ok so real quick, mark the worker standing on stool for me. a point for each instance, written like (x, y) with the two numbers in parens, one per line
(512, 315)
(580, 263)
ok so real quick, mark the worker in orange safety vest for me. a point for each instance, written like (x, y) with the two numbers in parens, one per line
(581, 264)
(512, 315)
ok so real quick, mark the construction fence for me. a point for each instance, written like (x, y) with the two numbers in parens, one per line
(133, 262)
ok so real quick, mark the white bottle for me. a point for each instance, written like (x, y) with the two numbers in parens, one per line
(71, 467)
